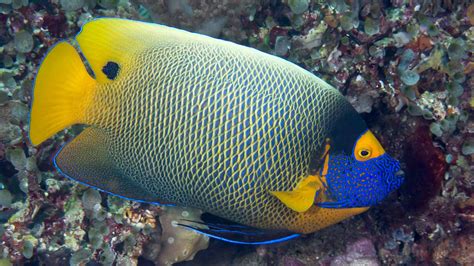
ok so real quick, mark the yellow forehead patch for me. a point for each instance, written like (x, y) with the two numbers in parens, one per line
(368, 147)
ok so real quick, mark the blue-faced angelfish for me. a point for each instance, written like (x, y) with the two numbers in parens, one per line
(265, 148)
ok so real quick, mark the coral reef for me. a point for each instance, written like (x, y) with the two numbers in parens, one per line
(362, 252)
(406, 66)
(210, 17)
(177, 243)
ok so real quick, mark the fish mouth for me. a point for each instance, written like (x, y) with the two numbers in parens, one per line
(391, 173)
(400, 173)
(396, 180)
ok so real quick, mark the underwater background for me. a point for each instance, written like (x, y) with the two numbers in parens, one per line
(406, 66)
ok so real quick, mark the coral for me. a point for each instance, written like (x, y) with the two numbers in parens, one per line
(209, 17)
(177, 243)
(298, 6)
(23, 41)
(71, 5)
(362, 252)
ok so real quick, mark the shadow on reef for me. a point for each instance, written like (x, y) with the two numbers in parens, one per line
(425, 169)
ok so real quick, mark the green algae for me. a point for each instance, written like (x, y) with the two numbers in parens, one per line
(436, 129)
(5, 262)
(371, 26)
(29, 244)
(17, 157)
(409, 77)
(90, 198)
(80, 257)
(468, 147)
(24, 42)
(71, 5)
(298, 6)
(5, 198)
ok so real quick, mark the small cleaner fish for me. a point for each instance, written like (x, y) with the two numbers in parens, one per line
(265, 148)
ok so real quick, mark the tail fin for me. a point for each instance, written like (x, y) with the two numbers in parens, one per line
(63, 90)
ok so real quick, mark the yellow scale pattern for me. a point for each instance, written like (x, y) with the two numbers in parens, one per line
(217, 128)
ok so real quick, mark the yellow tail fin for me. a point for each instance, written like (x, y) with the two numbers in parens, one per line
(63, 90)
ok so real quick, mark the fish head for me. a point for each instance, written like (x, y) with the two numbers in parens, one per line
(363, 178)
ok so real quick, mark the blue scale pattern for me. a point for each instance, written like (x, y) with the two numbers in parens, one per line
(352, 183)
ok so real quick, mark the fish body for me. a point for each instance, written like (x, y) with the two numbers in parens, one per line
(181, 118)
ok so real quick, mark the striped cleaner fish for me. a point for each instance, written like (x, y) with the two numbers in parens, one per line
(268, 150)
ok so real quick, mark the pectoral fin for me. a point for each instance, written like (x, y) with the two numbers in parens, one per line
(303, 196)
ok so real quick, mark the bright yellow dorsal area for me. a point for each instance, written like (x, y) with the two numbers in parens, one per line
(368, 147)
(62, 93)
(302, 197)
(119, 41)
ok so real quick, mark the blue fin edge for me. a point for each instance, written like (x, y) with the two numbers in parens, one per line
(273, 241)
(94, 187)
(334, 205)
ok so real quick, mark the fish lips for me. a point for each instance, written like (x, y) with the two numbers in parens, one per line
(393, 175)
(391, 178)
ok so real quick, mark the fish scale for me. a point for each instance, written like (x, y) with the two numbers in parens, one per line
(173, 154)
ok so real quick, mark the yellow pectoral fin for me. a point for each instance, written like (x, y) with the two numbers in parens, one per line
(302, 197)
(295, 200)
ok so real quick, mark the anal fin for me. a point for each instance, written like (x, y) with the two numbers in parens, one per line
(226, 230)
(87, 159)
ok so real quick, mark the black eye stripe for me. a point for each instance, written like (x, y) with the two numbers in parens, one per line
(111, 70)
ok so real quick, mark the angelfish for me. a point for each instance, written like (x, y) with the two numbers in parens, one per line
(265, 148)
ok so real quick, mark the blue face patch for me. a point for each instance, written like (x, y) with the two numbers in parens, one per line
(352, 183)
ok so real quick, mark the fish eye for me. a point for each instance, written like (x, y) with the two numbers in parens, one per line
(367, 147)
(364, 153)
